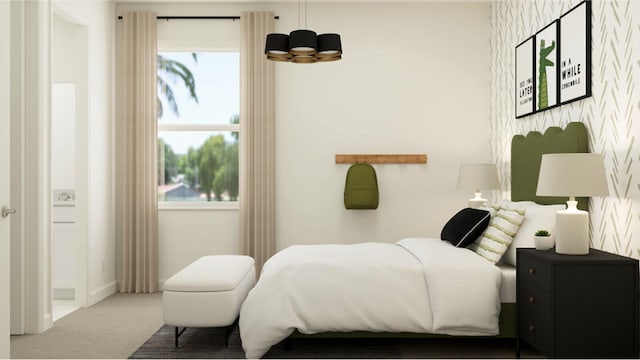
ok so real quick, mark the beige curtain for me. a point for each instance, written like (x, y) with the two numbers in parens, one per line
(138, 138)
(257, 149)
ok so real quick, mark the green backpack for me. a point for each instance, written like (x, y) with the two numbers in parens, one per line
(361, 188)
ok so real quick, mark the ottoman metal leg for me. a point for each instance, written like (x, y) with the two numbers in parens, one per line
(178, 333)
(229, 330)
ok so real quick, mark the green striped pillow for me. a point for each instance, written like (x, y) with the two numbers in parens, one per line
(495, 240)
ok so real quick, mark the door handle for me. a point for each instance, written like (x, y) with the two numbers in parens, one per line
(6, 211)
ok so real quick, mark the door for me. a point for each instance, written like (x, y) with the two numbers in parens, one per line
(4, 179)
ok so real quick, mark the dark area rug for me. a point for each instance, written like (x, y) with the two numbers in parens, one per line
(200, 343)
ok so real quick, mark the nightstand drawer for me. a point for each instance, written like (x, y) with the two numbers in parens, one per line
(535, 272)
(578, 306)
(535, 301)
(537, 332)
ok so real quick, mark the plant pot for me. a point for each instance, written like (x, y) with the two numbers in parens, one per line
(543, 242)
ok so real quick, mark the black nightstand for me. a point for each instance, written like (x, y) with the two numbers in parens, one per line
(577, 305)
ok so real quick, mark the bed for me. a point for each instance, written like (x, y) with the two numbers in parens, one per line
(415, 287)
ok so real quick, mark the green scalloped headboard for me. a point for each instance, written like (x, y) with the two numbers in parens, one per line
(526, 155)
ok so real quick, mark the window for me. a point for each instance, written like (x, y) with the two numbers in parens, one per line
(198, 128)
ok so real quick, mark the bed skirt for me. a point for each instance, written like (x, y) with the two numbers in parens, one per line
(507, 323)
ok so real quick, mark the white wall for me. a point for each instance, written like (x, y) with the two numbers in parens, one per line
(186, 235)
(413, 79)
(99, 17)
(63, 137)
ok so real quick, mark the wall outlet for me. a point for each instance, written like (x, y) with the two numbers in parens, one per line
(64, 196)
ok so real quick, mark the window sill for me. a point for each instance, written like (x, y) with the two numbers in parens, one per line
(197, 206)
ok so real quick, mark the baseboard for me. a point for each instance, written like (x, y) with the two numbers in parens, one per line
(47, 323)
(102, 293)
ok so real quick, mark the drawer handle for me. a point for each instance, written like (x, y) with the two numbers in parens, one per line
(532, 299)
(532, 271)
(532, 329)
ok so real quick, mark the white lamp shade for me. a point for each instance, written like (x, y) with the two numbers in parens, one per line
(478, 177)
(572, 174)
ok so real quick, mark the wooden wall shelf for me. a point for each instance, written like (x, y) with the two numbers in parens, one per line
(381, 158)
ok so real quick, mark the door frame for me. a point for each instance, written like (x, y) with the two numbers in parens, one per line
(5, 181)
(32, 91)
(17, 169)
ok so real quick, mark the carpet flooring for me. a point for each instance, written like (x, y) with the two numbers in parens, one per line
(111, 329)
(200, 343)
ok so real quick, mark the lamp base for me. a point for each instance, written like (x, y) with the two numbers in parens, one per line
(572, 231)
(476, 201)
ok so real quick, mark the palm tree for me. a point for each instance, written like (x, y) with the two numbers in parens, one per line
(173, 70)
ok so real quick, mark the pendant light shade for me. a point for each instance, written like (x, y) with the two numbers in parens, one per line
(329, 47)
(303, 42)
(277, 44)
(277, 47)
(303, 46)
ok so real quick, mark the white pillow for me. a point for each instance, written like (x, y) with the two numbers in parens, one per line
(516, 205)
(495, 240)
(537, 217)
(492, 209)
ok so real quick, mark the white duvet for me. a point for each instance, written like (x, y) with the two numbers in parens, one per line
(416, 285)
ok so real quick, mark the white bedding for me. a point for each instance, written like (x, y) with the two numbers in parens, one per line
(416, 285)
(508, 286)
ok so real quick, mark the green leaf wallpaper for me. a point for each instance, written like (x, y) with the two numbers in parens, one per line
(611, 114)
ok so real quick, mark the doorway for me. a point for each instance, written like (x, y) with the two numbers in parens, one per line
(69, 111)
(63, 212)
(32, 72)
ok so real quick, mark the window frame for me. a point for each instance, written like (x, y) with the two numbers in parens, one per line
(200, 127)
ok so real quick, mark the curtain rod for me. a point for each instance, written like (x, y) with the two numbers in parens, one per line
(198, 17)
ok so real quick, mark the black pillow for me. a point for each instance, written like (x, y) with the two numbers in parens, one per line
(465, 226)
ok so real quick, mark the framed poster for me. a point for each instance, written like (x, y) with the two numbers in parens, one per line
(547, 93)
(575, 53)
(525, 79)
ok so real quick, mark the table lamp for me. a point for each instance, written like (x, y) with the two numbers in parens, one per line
(572, 175)
(477, 177)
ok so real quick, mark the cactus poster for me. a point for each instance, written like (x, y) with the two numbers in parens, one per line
(546, 52)
(575, 53)
(525, 79)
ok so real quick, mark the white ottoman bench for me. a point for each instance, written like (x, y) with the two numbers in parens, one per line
(208, 293)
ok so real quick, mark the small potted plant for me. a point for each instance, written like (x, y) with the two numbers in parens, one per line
(543, 240)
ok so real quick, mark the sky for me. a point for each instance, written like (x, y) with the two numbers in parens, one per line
(217, 79)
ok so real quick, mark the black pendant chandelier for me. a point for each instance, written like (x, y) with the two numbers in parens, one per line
(303, 46)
